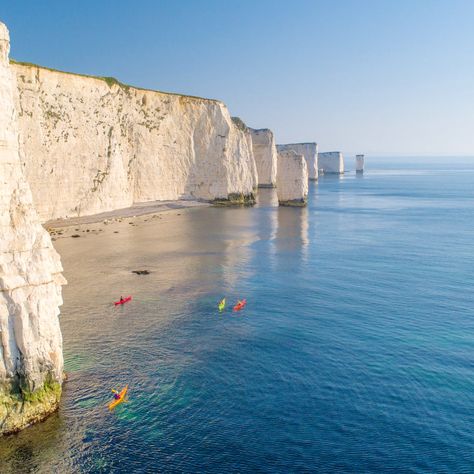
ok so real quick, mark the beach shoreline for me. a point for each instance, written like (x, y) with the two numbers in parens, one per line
(139, 213)
(137, 210)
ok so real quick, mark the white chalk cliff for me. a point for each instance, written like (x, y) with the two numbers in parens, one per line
(292, 179)
(310, 153)
(239, 123)
(331, 162)
(31, 360)
(265, 153)
(94, 145)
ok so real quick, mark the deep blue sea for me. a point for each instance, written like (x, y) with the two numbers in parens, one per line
(354, 354)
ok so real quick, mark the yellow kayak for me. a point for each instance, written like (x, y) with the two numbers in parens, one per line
(119, 400)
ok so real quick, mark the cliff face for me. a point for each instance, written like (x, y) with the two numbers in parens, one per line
(331, 162)
(310, 153)
(31, 361)
(239, 123)
(359, 163)
(265, 153)
(292, 179)
(95, 145)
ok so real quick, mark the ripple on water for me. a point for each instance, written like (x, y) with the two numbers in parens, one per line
(354, 353)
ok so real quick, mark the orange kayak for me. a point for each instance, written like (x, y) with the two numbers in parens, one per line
(240, 305)
(119, 400)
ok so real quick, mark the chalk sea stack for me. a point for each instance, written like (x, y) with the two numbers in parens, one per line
(331, 162)
(265, 154)
(292, 179)
(310, 153)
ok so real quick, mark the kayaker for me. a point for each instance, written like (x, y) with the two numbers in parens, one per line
(116, 394)
(221, 304)
(121, 299)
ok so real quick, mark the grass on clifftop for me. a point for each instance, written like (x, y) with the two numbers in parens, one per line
(110, 81)
(240, 124)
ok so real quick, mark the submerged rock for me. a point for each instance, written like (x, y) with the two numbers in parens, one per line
(141, 272)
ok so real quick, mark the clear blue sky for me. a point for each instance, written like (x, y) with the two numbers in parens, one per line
(374, 76)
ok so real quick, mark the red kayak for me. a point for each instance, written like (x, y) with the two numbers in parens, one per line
(123, 300)
(240, 305)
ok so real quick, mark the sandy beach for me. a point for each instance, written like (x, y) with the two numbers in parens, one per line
(140, 212)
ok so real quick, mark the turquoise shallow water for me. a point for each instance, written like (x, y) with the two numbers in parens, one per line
(355, 352)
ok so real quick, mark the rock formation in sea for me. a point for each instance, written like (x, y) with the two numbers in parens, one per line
(94, 144)
(265, 153)
(359, 163)
(292, 179)
(310, 153)
(240, 124)
(31, 360)
(331, 162)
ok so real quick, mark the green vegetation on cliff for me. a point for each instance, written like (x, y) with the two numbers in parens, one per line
(235, 199)
(40, 394)
(20, 409)
(110, 81)
(294, 203)
(240, 124)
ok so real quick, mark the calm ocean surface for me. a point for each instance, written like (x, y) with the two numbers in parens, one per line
(355, 352)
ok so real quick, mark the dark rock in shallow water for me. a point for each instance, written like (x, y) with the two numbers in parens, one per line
(75, 236)
(141, 272)
(235, 199)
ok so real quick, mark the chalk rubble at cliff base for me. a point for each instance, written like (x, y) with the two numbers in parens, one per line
(292, 179)
(31, 362)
